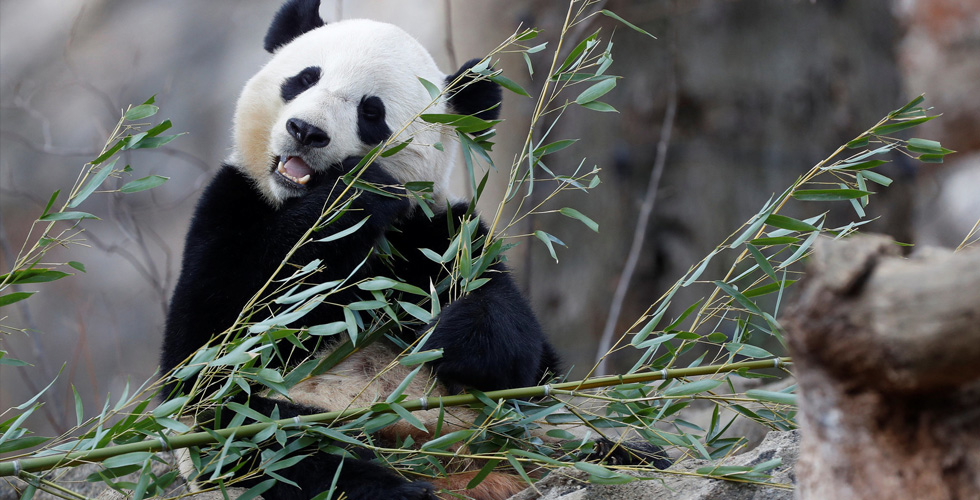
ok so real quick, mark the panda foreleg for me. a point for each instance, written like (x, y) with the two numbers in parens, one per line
(490, 339)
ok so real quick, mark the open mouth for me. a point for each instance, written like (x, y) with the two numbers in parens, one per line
(294, 170)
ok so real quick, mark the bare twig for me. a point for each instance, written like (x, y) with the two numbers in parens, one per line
(649, 201)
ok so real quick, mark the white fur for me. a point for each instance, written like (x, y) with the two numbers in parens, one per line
(357, 58)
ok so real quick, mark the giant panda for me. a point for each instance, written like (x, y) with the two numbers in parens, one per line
(329, 94)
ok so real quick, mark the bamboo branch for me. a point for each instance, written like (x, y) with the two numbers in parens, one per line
(35, 464)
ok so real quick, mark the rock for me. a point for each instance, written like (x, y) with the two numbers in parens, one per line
(572, 484)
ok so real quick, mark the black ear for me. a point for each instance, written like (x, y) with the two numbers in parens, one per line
(481, 98)
(294, 18)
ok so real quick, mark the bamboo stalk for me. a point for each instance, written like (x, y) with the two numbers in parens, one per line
(15, 467)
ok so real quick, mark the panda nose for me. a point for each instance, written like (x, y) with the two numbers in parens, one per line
(306, 134)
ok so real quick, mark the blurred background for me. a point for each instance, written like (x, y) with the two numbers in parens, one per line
(765, 89)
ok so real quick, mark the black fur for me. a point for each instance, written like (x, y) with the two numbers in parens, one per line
(491, 339)
(299, 83)
(481, 98)
(293, 19)
(371, 126)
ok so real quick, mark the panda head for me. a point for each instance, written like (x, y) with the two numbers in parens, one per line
(332, 91)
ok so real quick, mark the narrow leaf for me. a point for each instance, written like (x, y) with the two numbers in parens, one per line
(143, 184)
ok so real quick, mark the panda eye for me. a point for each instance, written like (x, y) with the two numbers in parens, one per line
(372, 108)
(298, 83)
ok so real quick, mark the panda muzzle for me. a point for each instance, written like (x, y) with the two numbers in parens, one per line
(294, 169)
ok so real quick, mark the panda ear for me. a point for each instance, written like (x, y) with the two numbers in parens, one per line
(481, 98)
(294, 18)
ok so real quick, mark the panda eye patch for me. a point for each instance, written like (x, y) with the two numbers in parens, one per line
(300, 82)
(372, 108)
(371, 126)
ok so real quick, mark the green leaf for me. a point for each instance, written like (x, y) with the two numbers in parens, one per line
(902, 125)
(877, 178)
(575, 53)
(257, 490)
(762, 261)
(784, 222)
(408, 417)
(67, 216)
(747, 350)
(462, 123)
(778, 240)
(328, 329)
(860, 142)
(77, 265)
(930, 158)
(394, 149)
(420, 357)
(600, 106)
(22, 443)
(143, 184)
(340, 234)
(431, 88)
(134, 458)
(167, 408)
(10, 298)
(596, 91)
(692, 388)
(416, 311)
(864, 165)
(547, 239)
(771, 396)
(924, 146)
(553, 147)
(829, 194)
(509, 84)
(92, 184)
(155, 142)
(632, 26)
(109, 152)
(575, 214)
(913, 103)
(767, 289)
(484, 472)
(742, 299)
(141, 111)
(36, 275)
(445, 441)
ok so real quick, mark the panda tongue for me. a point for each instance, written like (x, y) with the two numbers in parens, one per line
(297, 168)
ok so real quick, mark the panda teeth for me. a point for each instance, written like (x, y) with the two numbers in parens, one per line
(282, 170)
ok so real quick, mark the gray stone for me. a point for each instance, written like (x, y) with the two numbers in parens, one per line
(572, 484)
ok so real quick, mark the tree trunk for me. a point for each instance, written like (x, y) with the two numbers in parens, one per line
(887, 354)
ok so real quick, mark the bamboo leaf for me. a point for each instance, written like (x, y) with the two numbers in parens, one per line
(67, 216)
(509, 84)
(431, 88)
(420, 357)
(445, 441)
(92, 184)
(692, 388)
(771, 396)
(632, 26)
(141, 111)
(596, 91)
(340, 234)
(143, 184)
(829, 194)
(902, 125)
(784, 222)
(575, 214)
(10, 298)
